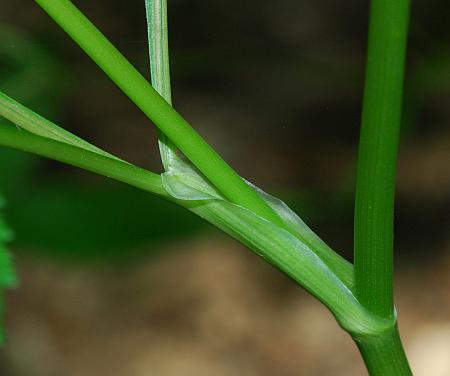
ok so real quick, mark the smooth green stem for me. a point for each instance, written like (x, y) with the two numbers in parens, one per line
(27, 119)
(167, 119)
(269, 241)
(374, 207)
(34, 123)
(160, 72)
(384, 355)
(85, 159)
(158, 43)
(158, 37)
(134, 85)
(156, 11)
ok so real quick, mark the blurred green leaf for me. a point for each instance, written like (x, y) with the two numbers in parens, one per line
(7, 276)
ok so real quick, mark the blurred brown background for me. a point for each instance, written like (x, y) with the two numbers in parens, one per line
(115, 282)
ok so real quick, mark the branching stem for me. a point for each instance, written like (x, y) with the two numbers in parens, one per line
(175, 127)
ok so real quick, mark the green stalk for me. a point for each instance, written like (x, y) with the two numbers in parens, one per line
(158, 40)
(374, 207)
(375, 187)
(157, 23)
(369, 317)
(27, 119)
(34, 123)
(90, 161)
(131, 82)
(384, 354)
(269, 241)
(187, 140)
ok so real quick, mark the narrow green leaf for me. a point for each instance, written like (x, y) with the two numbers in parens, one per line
(82, 158)
(28, 120)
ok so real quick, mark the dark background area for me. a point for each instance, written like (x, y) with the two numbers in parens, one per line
(276, 87)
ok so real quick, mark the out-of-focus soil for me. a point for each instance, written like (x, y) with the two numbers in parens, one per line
(205, 307)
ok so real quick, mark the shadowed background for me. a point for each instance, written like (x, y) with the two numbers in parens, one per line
(116, 282)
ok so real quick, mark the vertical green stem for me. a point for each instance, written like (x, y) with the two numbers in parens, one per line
(375, 185)
(158, 41)
(384, 354)
(158, 38)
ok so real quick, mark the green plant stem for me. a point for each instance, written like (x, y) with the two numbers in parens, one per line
(158, 41)
(34, 123)
(384, 354)
(156, 11)
(134, 85)
(160, 73)
(374, 207)
(85, 159)
(158, 37)
(170, 122)
(269, 241)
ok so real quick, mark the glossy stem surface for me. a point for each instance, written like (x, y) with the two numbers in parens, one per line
(377, 159)
(384, 355)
